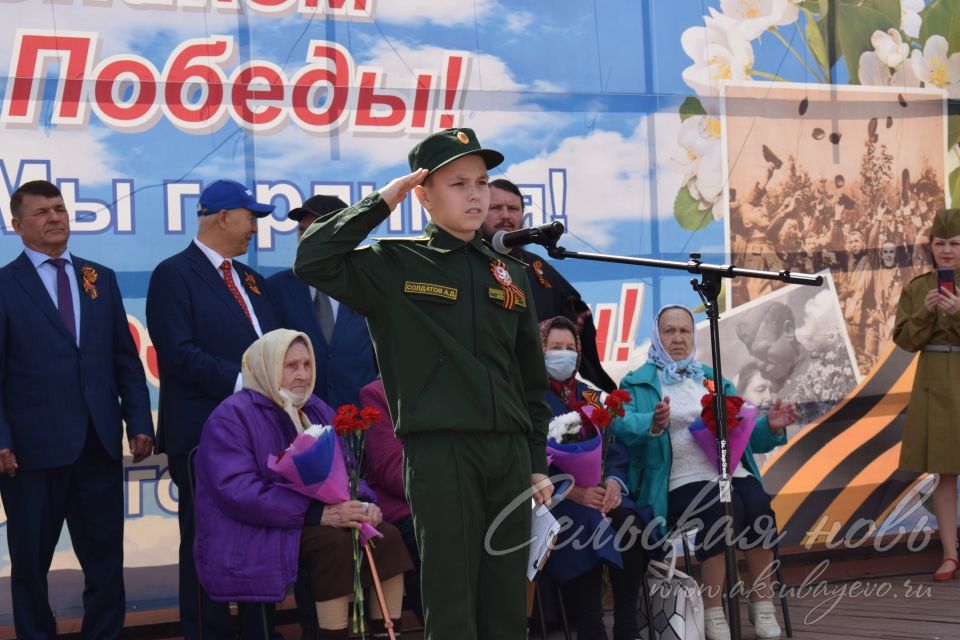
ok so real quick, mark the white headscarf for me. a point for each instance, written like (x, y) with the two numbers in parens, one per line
(262, 368)
(674, 371)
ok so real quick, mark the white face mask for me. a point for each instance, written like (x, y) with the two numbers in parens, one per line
(296, 400)
(561, 364)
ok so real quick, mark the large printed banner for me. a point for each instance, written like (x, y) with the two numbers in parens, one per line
(772, 135)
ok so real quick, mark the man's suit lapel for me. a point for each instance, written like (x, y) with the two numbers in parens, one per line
(340, 324)
(26, 275)
(212, 277)
(261, 308)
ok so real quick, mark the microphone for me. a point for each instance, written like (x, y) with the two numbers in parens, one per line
(545, 234)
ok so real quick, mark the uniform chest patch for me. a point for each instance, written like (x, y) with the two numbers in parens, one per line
(430, 289)
(499, 295)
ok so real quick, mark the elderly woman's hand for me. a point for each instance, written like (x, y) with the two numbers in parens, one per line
(781, 415)
(588, 496)
(350, 514)
(374, 515)
(661, 416)
(612, 495)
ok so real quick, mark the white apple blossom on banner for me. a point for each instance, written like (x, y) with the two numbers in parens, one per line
(890, 47)
(701, 160)
(910, 20)
(935, 69)
(719, 52)
(875, 72)
(757, 16)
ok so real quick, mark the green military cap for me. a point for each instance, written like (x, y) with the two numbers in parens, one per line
(946, 224)
(445, 146)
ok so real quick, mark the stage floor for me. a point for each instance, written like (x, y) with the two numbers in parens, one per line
(901, 607)
(832, 595)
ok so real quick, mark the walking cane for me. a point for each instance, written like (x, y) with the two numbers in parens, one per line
(387, 622)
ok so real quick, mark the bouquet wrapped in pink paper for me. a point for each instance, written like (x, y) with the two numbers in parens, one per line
(314, 466)
(741, 417)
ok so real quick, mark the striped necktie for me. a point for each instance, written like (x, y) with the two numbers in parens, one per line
(232, 286)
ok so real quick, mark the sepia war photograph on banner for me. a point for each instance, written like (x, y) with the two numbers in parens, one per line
(790, 344)
(839, 178)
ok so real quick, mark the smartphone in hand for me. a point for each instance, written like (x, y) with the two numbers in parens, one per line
(946, 281)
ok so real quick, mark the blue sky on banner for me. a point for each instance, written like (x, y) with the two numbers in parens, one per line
(565, 90)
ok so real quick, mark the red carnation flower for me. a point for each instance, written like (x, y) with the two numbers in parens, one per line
(601, 419)
(343, 424)
(615, 400)
(732, 403)
(369, 415)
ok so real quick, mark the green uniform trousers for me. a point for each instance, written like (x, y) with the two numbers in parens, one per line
(470, 497)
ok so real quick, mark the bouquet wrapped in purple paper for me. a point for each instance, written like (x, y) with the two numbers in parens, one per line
(741, 417)
(577, 441)
(314, 466)
(582, 459)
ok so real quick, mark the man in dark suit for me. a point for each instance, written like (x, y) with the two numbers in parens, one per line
(203, 310)
(70, 375)
(341, 342)
(552, 295)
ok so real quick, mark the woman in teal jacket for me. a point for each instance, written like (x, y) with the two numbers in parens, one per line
(669, 471)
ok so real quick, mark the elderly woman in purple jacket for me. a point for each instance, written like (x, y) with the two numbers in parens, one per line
(252, 533)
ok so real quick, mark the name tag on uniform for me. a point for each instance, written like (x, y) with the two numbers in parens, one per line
(499, 296)
(429, 289)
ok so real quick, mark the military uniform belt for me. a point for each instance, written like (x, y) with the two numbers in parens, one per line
(942, 348)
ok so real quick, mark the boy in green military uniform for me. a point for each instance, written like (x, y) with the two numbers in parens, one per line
(459, 352)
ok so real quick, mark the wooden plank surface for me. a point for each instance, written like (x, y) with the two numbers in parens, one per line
(899, 607)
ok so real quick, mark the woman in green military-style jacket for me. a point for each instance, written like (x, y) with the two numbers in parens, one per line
(928, 321)
(669, 471)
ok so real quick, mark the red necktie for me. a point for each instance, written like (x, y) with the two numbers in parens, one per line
(232, 286)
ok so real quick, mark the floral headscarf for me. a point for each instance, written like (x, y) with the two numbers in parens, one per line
(674, 371)
(262, 368)
(566, 389)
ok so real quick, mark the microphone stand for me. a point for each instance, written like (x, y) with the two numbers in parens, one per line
(708, 288)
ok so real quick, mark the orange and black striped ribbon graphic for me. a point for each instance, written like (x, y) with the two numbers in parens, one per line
(538, 271)
(512, 294)
(840, 472)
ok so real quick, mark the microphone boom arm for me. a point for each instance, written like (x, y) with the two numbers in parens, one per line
(694, 265)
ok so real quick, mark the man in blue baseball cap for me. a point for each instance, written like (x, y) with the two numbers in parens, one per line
(225, 195)
(204, 308)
